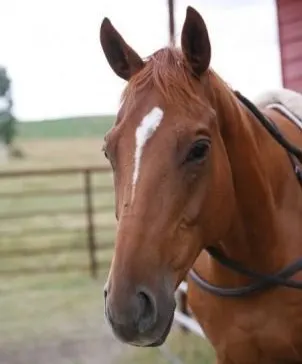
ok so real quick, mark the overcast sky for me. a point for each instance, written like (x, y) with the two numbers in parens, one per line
(52, 52)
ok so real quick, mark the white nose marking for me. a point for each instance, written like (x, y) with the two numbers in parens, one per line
(144, 131)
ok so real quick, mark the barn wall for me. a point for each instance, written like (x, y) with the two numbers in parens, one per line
(290, 38)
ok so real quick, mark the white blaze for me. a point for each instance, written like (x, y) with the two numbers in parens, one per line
(144, 132)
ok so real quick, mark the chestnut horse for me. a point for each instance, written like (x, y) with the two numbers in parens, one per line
(202, 180)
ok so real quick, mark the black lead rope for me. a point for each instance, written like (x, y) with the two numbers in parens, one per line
(262, 281)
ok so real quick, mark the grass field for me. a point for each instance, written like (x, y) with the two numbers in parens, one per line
(47, 318)
(80, 127)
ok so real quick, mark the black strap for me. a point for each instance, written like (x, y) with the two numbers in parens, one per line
(293, 151)
(262, 281)
(292, 158)
(275, 133)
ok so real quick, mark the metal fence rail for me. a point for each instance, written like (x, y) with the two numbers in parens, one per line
(13, 222)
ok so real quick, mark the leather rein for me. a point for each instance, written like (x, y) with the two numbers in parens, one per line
(261, 281)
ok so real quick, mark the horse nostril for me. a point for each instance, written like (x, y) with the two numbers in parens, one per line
(145, 304)
(147, 311)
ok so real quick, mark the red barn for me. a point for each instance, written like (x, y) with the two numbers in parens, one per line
(290, 41)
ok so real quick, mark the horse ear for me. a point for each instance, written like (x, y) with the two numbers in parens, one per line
(195, 42)
(124, 61)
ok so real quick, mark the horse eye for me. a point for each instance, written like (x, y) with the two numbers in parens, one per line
(198, 151)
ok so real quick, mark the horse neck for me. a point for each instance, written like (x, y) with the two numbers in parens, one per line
(254, 237)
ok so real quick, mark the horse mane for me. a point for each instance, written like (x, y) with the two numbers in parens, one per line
(167, 72)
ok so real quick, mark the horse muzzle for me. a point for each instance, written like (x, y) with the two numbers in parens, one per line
(141, 318)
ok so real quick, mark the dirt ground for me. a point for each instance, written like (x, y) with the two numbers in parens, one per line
(90, 348)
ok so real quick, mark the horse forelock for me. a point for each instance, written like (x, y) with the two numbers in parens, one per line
(165, 71)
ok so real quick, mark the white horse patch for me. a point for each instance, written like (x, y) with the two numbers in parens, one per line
(144, 131)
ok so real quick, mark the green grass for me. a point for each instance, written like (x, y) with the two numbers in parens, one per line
(80, 127)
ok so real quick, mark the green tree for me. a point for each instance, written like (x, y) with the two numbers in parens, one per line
(7, 119)
(4, 82)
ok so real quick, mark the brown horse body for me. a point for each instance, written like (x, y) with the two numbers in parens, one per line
(193, 168)
(265, 236)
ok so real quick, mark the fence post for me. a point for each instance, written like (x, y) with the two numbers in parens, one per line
(90, 224)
